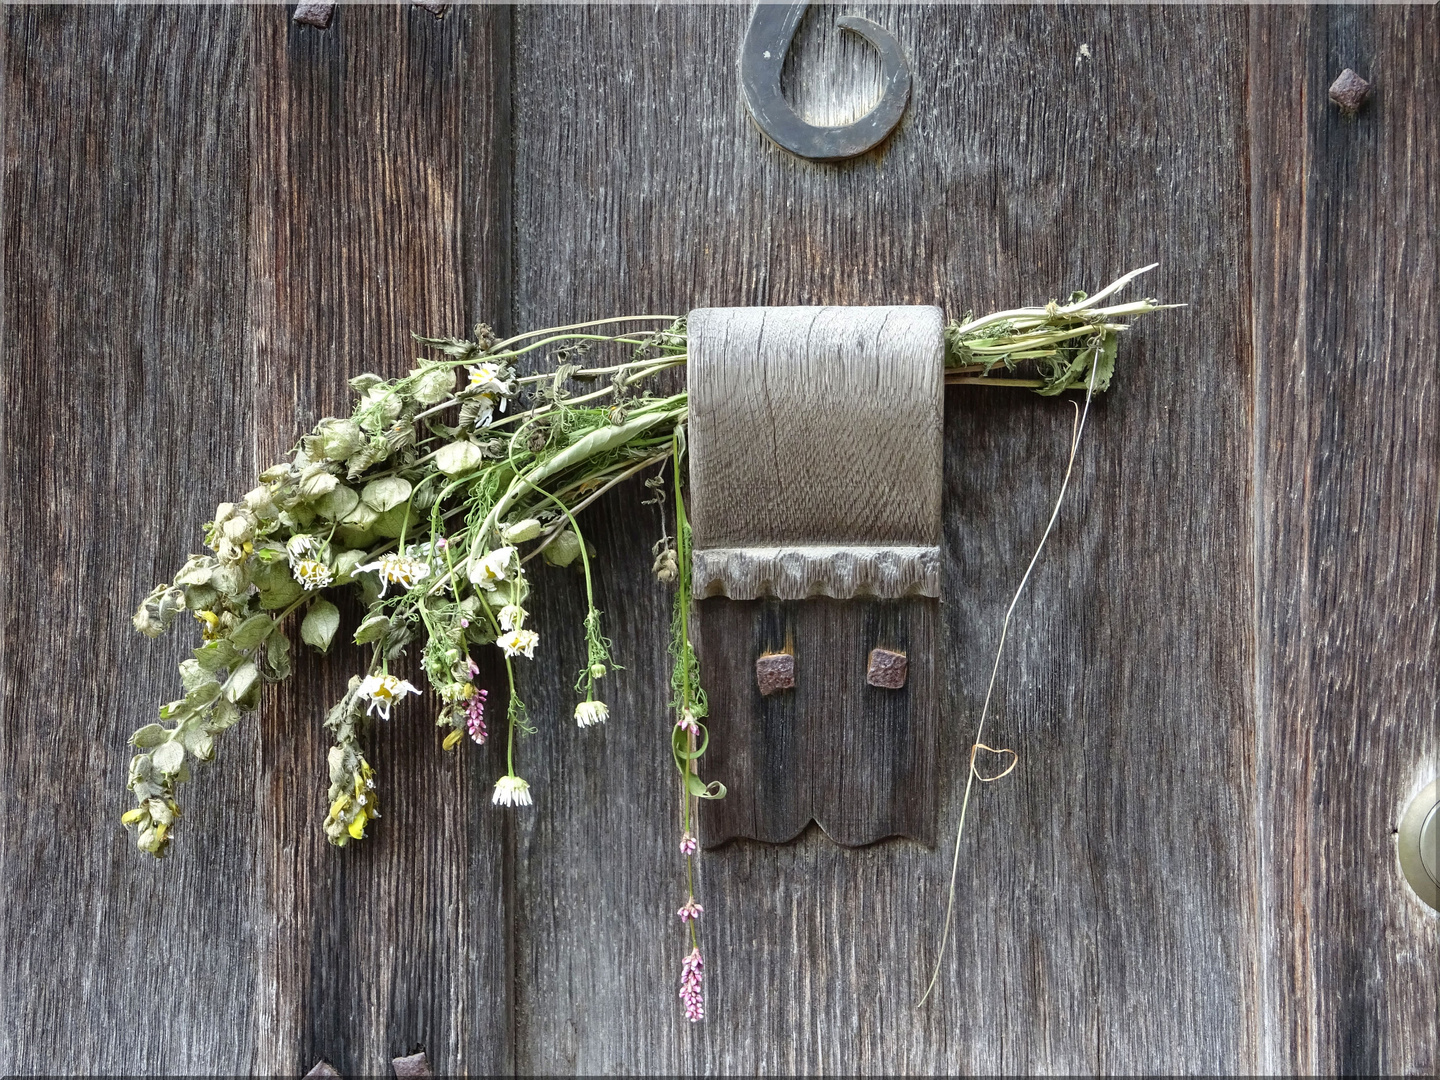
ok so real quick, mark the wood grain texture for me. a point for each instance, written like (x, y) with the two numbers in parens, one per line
(371, 142)
(125, 405)
(815, 426)
(858, 760)
(1107, 910)
(1346, 215)
(1221, 684)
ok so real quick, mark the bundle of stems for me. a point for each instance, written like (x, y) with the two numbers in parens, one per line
(431, 499)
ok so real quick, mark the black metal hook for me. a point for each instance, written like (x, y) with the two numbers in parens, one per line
(772, 28)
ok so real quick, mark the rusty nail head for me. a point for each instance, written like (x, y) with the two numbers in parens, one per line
(887, 669)
(775, 672)
(1349, 91)
(414, 1065)
(314, 13)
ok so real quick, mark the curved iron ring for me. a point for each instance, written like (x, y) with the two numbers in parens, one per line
(762, 56)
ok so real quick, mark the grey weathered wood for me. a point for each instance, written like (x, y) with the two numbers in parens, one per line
(815, 471)
(857, 759)
(125, 404)
(212, 218)
(1115, 869)
(1221, 683)
(1346, 216)
(816, 427)
(373, 146)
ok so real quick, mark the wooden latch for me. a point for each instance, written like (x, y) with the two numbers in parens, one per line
(815, 474)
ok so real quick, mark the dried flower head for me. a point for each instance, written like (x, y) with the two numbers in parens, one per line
(492, 568)
(691, 910)
(512, 617)
(475, 716)
(589, 713)
(397, 569)
(687, 722)
(692, 976)
(519, 643)
(382, 691)
(312, 574)
(511, 791)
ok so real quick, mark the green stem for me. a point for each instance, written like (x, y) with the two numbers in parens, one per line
(579, 326)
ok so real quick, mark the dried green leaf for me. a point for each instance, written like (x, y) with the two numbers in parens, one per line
(383, 494)
(459, 458)
(252, 631)
(243, 680)
(168, 757)
(149, 735)
(320, 624)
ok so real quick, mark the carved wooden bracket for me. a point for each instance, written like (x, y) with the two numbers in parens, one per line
(815, 475)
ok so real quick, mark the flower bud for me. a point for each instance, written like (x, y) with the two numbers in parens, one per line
(239, 528)
(336, 440)
(259, 502)
(521, 531)
(453, 739)
(435, 385)
(597, 670)
(130, 817)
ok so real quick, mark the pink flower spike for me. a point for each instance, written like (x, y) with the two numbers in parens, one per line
(691, 910)
(689, 845)
(475, 716)
(692, 974)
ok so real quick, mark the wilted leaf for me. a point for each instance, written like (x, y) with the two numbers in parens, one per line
(149, 735)
(380, 495)
(168, 757)
(321, 622)
(458, 458)
(252, 631)
(372, 629)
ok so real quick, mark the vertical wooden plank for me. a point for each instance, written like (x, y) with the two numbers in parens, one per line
(1346, 218)
(126, 403)
(1107, 907)
(377, 198)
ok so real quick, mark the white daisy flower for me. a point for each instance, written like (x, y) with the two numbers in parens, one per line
(382, 691)
(312, 574)
(512, 617)
(397, 569)
(511, 791)
(485, 379)
(493, 568)
(519, 643)
(302, 546)
(588, 713)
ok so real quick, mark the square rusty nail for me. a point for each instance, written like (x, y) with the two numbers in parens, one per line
(887, 669)
(775, 672)
(1349, 91)
(314, 13)
(414, 1065)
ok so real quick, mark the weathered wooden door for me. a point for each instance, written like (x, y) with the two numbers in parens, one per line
(1222, 683)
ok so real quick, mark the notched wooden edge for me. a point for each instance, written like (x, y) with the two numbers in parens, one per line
(709, 843)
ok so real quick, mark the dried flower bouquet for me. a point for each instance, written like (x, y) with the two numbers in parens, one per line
(431, 498)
